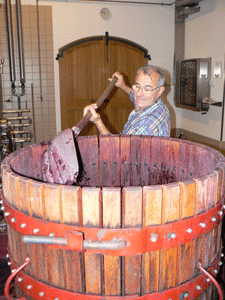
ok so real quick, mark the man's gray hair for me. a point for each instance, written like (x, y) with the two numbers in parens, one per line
(147, 70)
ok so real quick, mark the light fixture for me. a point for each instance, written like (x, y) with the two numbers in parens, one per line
(217, 71)
(203, 69)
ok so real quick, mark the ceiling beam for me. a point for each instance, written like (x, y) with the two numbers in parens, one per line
(180, 3)
(186, 12)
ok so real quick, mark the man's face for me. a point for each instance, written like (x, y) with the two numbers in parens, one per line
(145, 97)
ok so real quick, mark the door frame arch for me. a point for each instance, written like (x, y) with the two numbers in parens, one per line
(102, 37)
(126, 57)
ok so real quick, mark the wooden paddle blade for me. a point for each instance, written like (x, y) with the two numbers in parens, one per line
(59, 161)
(45, 167)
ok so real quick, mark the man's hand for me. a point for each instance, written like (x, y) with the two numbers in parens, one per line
(95, 116)
(120, 82)
(96, 119)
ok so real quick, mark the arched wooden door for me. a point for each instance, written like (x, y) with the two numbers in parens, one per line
(85, 66)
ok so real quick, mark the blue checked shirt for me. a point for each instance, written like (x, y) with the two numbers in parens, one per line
(151, 120)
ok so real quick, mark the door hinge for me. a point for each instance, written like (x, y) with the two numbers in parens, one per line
(106, 38)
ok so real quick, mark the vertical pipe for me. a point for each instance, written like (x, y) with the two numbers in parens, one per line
(178, 55)
(223, 103)
(8, 13)
(20, 42)
(21, 57)
(39, 51)
(32, 98)
(1, 97)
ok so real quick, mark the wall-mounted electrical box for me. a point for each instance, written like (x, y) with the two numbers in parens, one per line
(193, 84)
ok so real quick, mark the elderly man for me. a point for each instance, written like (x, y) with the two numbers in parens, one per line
(150, 115)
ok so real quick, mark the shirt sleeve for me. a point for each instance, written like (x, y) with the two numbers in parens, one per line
(132, 97)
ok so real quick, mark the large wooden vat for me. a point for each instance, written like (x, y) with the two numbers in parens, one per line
(157, 202)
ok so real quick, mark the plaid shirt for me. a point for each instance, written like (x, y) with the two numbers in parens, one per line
(151, 120)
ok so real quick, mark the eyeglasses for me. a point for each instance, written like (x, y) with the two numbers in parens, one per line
(146, 89)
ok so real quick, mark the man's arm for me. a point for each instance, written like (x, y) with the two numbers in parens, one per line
(121, 83)
(96, 119)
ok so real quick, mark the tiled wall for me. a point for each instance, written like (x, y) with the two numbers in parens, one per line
(43, 110)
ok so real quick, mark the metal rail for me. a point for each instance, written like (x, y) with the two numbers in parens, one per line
(87, 244)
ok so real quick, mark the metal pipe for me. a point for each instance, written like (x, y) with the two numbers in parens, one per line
(104, 245)
(47, 240)
(34, 125)
(131, 2)
(219, 290)
(223, 103)
(17, 140)
(8, 13)
(3, 123)
(8, 285)
(87, 244)
(20, 119)
(13, 111)
(20, 41)
(21, 139)
(28, 132)
(39, 50)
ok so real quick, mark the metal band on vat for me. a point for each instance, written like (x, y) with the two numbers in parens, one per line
(40, 291)
(130, 241)
(11, 277)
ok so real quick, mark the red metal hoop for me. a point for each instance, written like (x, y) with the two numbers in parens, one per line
(200, 267)
(137, 240)
(7, 285)
(39, 290)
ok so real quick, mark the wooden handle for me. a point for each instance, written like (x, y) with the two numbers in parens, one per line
(80, 125)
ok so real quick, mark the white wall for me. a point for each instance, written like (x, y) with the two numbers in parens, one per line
(151, 26)
(205, 37)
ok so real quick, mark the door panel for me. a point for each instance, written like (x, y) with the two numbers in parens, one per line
(127, 59)
(82, 80)
(85, 67)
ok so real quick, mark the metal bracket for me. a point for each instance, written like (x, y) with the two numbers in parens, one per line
(148, 56)
(58, 56)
